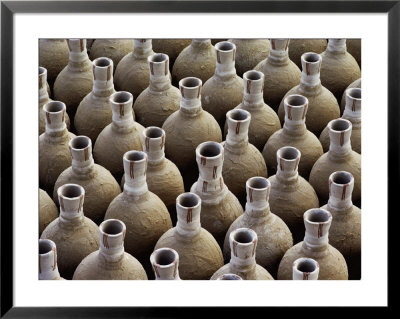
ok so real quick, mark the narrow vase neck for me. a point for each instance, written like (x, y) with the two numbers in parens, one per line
(317, 229)
(279, 55)
(225, 67)
(188, 207)
(190, 103)
(48, 269)
(341, 185)
(103, 84)
(154, 147)
(142, 48)
(135, 173)
(112, 245)
(339, 136)
(310, 75)
(78, 57)
(336, 46)
(253, 87)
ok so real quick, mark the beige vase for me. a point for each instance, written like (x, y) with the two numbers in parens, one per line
(224, 90)
(94, 113)
(100, 186)
(281, 74)
(294, 133)
(250, 52)
(160, 99)
(355, 84)
(297, 47)
(274, 237)
(354, 48)
(53, 56)
(291, 195)
(47, 210)
(110, 262)
(243, 244)
(54, 154)
(316, 246)
(187, 128)
(48, 269)
(119, 137)
(146, 217)
(345, 232)
(196, 60)
(132, 73)
(75, 81)
(74, 234)
(199, 253)
(305, 269)
(338, 69)
(115, 49)
(165, 263)
(352, 112)
(170, 47)
(264, 121)
(340, 157)
(242, 160)
(219, 207)
(322, 104)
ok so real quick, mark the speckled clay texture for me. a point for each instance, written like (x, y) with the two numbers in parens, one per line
(132, 72)
(47, 210)
(297, 47)
(355, 84)
(115, 49)
(197, 60)
(354, 48)
(281, 74)
(170, 47)
(250, 52)
(53, 55)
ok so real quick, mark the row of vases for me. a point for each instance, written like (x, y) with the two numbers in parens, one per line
(236, 143)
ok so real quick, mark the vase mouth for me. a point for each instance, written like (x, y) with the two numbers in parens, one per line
(164, 257)
(288, 153)
(102, 62)
(158, 58)
(306, 265)
(341, 178)
(80, 142)
(188, 200)
(311, 58)
(258, 182)
(46, 246)
(71, 191)
(135, 156)
(253, 75)
(354, 93)
(54, 107)
(243, 236)
(238, 115)
(121, 97)
(112, 227)
(296, 101)
(229, 277)
(225, 46)
(190, 83)
(154, 132)
(317, 216)
(209, 150)
(340, 125)
(42, 70)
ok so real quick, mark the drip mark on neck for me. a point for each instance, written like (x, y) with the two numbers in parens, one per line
(320, 226)
(234, 244)
(248, 86)
(48, 117)
(105, 241)
(109, 73)
(344, 191)
(175, 268)
(289, 112)
(54, 258)
(304, 111)
(147, 143)
(204, 186)
(166, 67)
(237, 127)
(203, 160)
(341, 138)
(218, 57)
(250, 195)
(307, 68)
(121, 110)
(131, 172)
(151, 68)
(254, 248)
(86, 153)
(81, 44)
(162, 141)
(94, 72)
(189, 216)
(305, 275)
(215, 172)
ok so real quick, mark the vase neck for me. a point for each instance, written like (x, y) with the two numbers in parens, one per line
(188, 207)
(78, 57)
(71, 198)
(82, 158)
(201, 43)
(257, 205)
(352, 111)
(296, 107)
(48, 269)
(288, 159)
(279, 55)
(154, 145)
(142, 48)
(54, 112)
(225, 66)
(165, 262)
(310, 75)
(159, 72)
(43, 95)
(103, 84)
(190, 103)
(135, 166)
(305, 269)
(112, 235)
(253, 86)
(317, 223)
(243, 243)
(237, 138)
(336, 46)
(341, 185)
(339, 136)
(121, 105)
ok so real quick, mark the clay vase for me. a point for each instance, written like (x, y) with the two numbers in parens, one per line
(250, 52)
(146, 217)
(264, 121)
(170, 47)
(120, 136)
(94, 113)
(322, 104)
(75, 81)
(274, 236)
(196, 60)
(340, 157)
(187, 128)
(291, 195)
(305, 269)
(338, 69)
(53, 56)
(47, 210)
(352, 112)
(294, 133)
(345, 232)
(199, 253)
(165, 262)
(354, 48)
(243, 243)
(241, 159)
(219, 207)
(43, 99)
(297, 47)
(115, 49)
(224, 90)
(54, 154)
(110, 262)
(315, 245)
(355, 84)
(229, 277)
(281, 74)
(74, 234)
(132, 72)
(100, 186)
(48, 269)
(160, 99)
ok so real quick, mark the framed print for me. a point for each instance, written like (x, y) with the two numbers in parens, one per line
(76, 24)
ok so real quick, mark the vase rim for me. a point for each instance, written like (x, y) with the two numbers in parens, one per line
(306, 265)
(341, 178)
(135, 156)
(317, 216)
(289, 153)
(190, 82)
(243, 236)
(102, 62)
(253, 75)
(354, 93)
(296, 101)
(238, 115)
(340, 125)
(214, 149)
(80, 142)
(188, 200)
(68, 191)
(158, 58)
(153, 132)
(46, 246)
(170, 255)
(54, 107)
(225, 46)
(258, 182)
(118, 226)
(121, 97)
(311, 57)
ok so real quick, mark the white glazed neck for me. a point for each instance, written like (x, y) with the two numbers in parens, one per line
(352, 111)
(257, 205)
(135, 166)
(165, 262)
(154, 145)
(54, 112)
(112, 235)
(279, 53)
(78, 56)
(339, 136)
(311, 66)
(341, 185)
(296, 107)
(159, 72)
(103, 84)
(121, 104)
(288, 159)
(48, 269)
(142, 48)
(243, 244)
(317, 223)
(43, 95)
(188, 207)
(225, 66)
(253, 85)
(81, 152)
(336, 46)
(305, 269)
(237, 138)
(190, 103)
(71, 198)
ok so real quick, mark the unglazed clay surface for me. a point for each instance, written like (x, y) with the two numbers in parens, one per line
(47, 210)
(354, 48)
(259, 274)
(115, 49)
(53, 55)
(171, 47)
(297, 47)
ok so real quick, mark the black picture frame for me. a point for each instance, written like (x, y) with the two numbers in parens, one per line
(9, 8)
